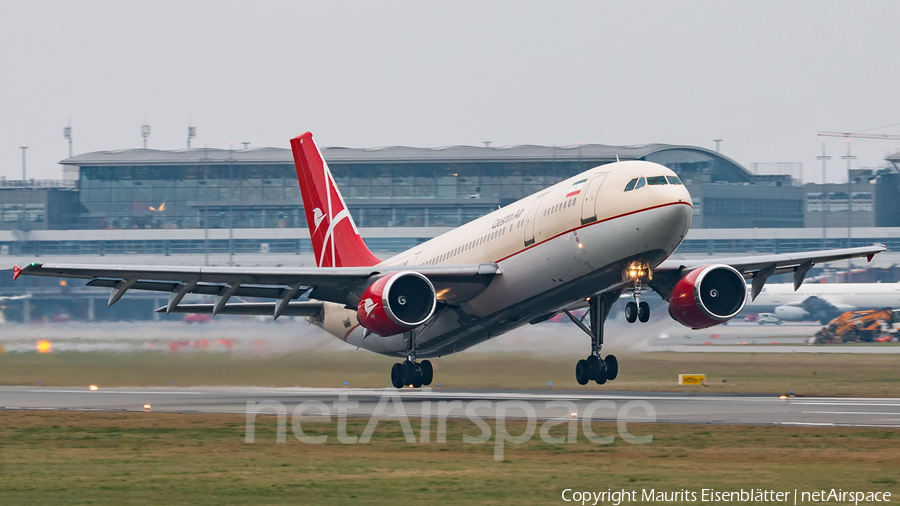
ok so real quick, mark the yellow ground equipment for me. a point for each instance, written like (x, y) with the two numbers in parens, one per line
(859, 326)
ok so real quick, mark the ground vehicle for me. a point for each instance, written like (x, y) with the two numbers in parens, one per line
(751, 317)
(859, 326)
(197, 318)
(768, 318)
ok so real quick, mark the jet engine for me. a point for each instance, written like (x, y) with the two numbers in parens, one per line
(791, 313)
(708, 296)
(396, 303)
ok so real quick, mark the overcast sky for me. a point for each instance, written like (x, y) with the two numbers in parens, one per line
(762, 76)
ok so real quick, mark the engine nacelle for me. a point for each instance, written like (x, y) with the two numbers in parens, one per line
(396, 303)
(791, 313)
(708, 296)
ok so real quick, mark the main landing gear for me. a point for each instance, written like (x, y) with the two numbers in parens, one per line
(410, 372)
(595, 368)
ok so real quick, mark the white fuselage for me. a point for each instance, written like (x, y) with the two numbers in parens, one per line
(781, 299)
(553, 248)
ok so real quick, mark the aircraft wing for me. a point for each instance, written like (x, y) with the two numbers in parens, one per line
(343, 285)
(757, 267)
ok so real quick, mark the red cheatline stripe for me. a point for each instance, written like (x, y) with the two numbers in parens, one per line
(594, 223)
(349, 331)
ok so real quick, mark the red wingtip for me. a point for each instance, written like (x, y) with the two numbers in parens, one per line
(16, 272)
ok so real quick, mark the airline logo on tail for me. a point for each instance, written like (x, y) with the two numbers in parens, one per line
(318, 216)
(338, 244)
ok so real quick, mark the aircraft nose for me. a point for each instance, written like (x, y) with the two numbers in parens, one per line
(679, 216)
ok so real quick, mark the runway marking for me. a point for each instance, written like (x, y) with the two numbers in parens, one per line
(93, 392)
(849, 413)
(846, 403)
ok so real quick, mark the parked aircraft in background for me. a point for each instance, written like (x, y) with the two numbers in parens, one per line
(823, 301)
(579, 243)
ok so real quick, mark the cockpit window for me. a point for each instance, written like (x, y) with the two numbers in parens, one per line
(674, 180)
(630, 185)
(656, 180)
(639, 184)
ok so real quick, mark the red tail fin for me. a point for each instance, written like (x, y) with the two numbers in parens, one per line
(335, 239)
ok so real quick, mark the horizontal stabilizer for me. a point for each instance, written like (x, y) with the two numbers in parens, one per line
(295, 308)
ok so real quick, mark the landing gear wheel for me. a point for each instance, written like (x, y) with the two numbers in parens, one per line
(631, 312)
(594, 369)
(602, 379)
(581, 372)
(397, 375)
(409, 373)
(643, 313)
(427, 372)
(417, 379)
(612, 367)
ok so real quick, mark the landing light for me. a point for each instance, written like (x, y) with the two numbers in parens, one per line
(146, 406)
(574, 414)
(93, 388)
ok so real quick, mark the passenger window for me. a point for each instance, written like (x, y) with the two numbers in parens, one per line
(640, 184)
(656, 180)
(674, 180)
(630, 185)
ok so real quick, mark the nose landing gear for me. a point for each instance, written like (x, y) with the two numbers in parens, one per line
(410, 372)
(594, 367)
(638, 309)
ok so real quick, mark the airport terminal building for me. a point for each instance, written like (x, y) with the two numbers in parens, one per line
(214, 201)
(243, 207)
(389, 187)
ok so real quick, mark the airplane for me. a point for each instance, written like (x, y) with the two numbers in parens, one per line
(580, 243)
(823, 301)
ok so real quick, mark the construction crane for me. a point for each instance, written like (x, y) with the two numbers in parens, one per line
(854, 135)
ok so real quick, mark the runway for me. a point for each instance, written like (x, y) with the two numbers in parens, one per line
(612, 406)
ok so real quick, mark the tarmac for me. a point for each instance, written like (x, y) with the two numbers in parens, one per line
(542, 404)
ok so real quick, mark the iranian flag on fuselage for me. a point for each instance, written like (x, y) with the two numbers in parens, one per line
(576, 188)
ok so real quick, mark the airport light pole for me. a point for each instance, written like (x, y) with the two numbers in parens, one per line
(717, 141)
(24, 179)
(192, 132)
(824, 158)
(205, 212)
(145, 132)
(67, 133)
(230, 207)
(849, 159)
